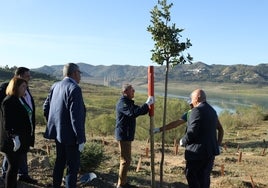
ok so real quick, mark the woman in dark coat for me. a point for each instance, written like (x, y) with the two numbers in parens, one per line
(16, 128)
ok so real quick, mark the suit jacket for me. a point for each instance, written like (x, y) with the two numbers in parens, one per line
(33, 117)
(14, 121)
(201, 138)
(3, 95)
(65, 112)
(3, 88)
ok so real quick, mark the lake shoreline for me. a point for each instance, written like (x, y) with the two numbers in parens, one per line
(222, 96)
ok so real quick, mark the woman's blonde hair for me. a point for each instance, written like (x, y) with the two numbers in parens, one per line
(13, 86)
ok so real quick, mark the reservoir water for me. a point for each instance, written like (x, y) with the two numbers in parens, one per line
(226, 103)
(231, 104)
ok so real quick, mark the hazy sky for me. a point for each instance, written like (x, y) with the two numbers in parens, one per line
(34, 33)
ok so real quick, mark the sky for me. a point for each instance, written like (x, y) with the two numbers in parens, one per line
(34, 33)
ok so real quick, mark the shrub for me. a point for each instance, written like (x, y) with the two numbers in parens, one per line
(242, 117)
(103, 124)
(249, 115)
(92, 156)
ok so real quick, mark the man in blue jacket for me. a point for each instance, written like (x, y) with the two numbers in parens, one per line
(65, 112)
(126, 114)
(200, 141)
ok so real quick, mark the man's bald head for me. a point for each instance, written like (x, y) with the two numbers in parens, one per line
(198, 96)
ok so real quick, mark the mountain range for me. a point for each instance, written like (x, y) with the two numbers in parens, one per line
(199, 71)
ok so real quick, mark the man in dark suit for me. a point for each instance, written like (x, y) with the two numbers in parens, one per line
(21, 72)
(65, 112)
(201, 142)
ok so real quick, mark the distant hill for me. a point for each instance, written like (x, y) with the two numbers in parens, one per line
(114, 74)
(7, 73)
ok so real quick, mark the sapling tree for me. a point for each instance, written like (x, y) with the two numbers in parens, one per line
(168, 50)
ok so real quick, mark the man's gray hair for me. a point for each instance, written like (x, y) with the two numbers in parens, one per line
(126, 87)
(69, 69)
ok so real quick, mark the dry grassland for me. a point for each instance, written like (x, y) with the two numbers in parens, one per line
(243, 162)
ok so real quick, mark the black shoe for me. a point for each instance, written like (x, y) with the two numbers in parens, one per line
(127, 185)
(27, 179)
(3, 176)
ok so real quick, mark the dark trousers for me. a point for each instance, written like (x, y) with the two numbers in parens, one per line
(13, 160)
(23, 167)
(198, 172)
(69, 156)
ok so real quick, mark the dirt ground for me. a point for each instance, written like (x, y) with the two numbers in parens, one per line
(243, 162)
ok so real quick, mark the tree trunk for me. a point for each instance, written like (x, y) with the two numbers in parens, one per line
(163, 127)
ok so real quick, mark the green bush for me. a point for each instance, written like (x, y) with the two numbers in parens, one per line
(103, 124)
(250, 115)
(175, 109)
(242, 117)
(90, 159)
(39, 117)
(92, 156)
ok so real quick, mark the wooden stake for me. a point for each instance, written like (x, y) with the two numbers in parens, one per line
(146, 152)
(222, 170)
(263, 152)
(175, 142)
(252, 182)
(48, 149)
(225, 147)
(240, 157)
(176, 149)
(151, 114)
(139, 165)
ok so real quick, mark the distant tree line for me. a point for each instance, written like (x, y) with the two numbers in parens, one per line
(7, 73)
